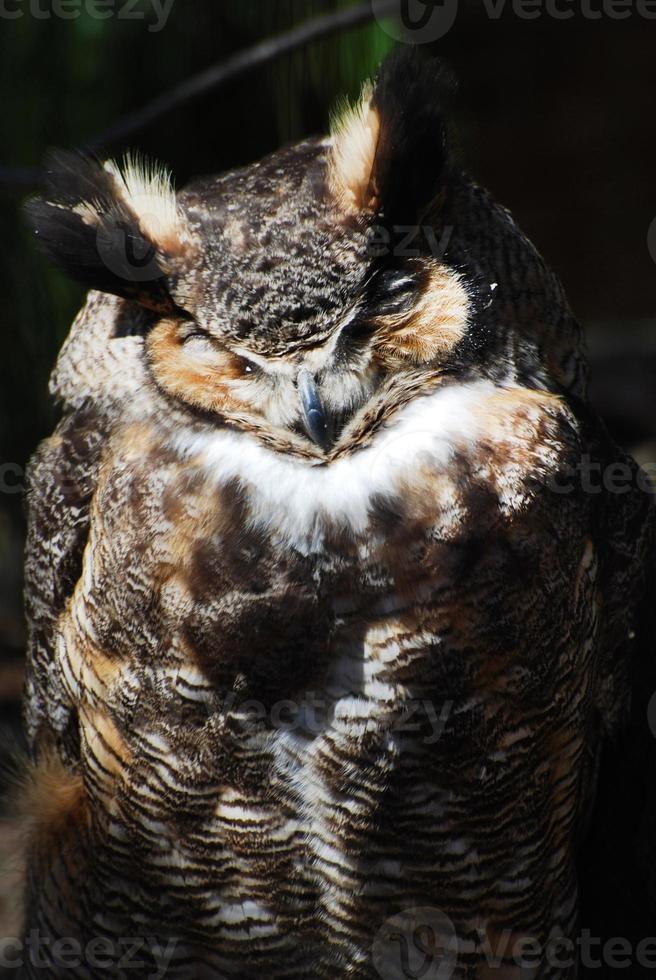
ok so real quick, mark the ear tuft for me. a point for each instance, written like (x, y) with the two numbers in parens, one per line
(147, 188)
(354, 130)
(389, 152)
(116, 231)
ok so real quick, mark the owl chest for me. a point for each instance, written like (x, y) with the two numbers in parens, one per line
(285, 583)
(302, 605)
(270, 576)
(259, 613)
(346, 657)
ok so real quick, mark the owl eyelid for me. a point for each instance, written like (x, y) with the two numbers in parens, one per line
(191, 331)
(401, 283)
(398, 299)
(391, 292)
(398, 288)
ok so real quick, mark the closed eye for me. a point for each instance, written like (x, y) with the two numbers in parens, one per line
(395, 292)
(189, 332)
(396, 283)
(199, 341)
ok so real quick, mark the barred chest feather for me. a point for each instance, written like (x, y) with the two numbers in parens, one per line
(332, 696)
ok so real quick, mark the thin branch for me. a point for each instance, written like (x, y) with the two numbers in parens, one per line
(239, 64)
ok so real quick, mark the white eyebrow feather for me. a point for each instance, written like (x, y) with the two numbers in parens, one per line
(147, 188)
(355, 130)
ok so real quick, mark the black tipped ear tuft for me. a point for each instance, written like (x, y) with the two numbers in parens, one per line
(92, 224)
(409, 98)
(390, 152)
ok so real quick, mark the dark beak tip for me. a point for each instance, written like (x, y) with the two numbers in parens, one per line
(316, 421)
(314, 415)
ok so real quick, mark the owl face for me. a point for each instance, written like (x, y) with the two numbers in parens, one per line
(389, 338)
(304, 397)
(272, 308)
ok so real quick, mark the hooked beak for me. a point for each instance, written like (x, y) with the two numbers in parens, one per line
(314, 417)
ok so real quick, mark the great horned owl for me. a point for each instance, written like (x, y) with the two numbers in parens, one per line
(326, 628)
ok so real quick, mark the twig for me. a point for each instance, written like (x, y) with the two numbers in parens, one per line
(239, 64)
(233, 67)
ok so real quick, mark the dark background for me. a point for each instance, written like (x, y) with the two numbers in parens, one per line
(555, 116)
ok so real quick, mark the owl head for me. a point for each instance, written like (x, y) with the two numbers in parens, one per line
(301, 298)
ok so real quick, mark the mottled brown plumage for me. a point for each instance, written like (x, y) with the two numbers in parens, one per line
(304, 501)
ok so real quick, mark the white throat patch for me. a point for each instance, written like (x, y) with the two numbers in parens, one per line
(291, 497)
